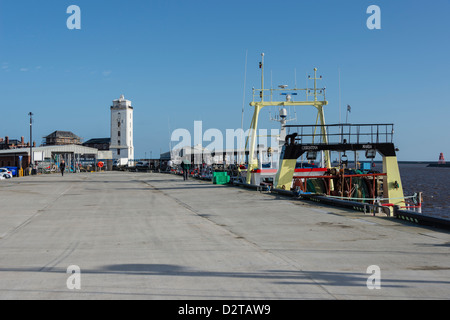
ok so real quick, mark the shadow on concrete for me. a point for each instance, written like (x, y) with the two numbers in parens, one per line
(283, 277)
(278, 276)
(68, 180)
(150, 188)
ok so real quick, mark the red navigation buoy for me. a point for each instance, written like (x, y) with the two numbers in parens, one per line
(441, 159)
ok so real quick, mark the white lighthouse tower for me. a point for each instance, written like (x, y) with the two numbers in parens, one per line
(122, 131)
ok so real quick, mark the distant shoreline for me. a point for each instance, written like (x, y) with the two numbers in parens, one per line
(437, 165)
(417, 162)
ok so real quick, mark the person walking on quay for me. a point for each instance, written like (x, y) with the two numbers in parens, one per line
(186, 165)
(62, 166)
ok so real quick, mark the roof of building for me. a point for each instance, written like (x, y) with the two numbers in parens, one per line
(72, 148)
(11, 141)
(165, 156)
(62, 134)
(98, 141)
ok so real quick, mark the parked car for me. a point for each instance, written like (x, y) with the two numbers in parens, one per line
(142, 165)
(6, 173)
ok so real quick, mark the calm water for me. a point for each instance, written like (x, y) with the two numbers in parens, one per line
(433, 182)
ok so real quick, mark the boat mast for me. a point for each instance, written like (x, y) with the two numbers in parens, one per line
(321, 118)
(258, 105)
(252, 160)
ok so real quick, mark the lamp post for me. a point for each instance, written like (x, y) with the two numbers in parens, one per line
(31, 139)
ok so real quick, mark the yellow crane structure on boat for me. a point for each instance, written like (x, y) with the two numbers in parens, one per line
(258, 105)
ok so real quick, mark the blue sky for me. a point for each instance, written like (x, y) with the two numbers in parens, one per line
(180, 61)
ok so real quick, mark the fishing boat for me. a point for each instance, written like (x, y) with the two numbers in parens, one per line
(338, 182)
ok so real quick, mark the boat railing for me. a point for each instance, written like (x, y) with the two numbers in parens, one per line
(342, 133)
(291, 94)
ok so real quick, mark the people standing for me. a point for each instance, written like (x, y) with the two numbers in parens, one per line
(62, 166)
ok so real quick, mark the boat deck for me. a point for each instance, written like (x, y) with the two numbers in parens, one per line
(155, 236)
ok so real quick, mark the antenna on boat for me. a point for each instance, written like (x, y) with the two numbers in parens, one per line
(170, 140)
(243, 96)
(261, 66)
(295, 78)
(339, 73)
(320, 90)
(282, 116)
(283, 119)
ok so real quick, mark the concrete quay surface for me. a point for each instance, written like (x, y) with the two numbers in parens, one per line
(155, 236)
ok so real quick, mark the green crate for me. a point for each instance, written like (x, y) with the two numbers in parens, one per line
(220, 174)
(221, 178)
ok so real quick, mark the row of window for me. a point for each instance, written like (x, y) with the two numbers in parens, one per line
(118, 134)
(118, 142)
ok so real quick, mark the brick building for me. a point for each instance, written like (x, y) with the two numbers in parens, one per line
(7, 143)
(59, 138)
